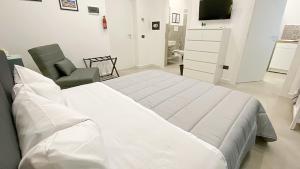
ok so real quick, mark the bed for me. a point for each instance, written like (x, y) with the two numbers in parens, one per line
(229, 120)
(134, 139)
(215, 133)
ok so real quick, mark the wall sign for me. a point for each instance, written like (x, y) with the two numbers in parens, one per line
(70, 5)
(156, 25)
(93, 10)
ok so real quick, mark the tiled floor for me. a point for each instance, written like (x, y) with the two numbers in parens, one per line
(283, 154)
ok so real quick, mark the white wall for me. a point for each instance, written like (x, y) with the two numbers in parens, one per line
(27, 24)
(292, 13)
(239, 24)
(177, 6)
(151, 50)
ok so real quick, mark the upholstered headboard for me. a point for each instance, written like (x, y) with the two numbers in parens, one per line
(9, 147)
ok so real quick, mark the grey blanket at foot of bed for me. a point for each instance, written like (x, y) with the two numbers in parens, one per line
(226, 119)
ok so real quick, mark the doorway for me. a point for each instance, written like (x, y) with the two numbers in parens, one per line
(286, 46)
(175, 38)
(272, 53)
(175, 34)
(263, 33)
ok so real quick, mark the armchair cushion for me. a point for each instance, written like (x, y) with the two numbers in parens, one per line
(80, 76)
(45, 57)
(65, 67)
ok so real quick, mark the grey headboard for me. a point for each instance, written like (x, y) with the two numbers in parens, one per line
(9, 147)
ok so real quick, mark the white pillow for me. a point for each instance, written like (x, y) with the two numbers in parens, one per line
(38, 118)
(38, 83)
(77, 147)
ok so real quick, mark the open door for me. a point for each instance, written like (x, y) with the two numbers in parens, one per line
(263, 33)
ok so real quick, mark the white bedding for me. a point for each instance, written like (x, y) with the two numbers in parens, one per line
(137, 138)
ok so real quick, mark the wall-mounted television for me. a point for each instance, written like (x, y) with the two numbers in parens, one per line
(215, 9)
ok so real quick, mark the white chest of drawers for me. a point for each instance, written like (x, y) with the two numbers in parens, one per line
(205, 51)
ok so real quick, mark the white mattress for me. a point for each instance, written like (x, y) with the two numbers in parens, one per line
(137, 138)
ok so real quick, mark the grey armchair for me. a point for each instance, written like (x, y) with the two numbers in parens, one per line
(47, 58)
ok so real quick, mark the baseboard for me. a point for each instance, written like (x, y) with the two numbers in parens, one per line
(146, 66)
(228, 81)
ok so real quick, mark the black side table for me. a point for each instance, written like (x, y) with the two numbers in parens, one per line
(89, 63)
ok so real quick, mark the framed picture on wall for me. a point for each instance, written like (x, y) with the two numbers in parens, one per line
(156, 25)
(178, 18)
(175, 18)
(70, 5)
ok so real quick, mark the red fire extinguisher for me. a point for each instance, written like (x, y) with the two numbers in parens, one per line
(104, 22)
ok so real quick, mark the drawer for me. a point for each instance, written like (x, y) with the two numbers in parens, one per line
(203, 46)
(201, 56)
(198, 75)
(287, 45)
(200, 66)
(205, 35)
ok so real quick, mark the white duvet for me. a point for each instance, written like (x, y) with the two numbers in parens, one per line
(137, 138)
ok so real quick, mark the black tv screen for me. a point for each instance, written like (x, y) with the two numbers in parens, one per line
(215, 9)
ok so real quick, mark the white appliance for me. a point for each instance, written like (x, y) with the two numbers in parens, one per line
(283, 56)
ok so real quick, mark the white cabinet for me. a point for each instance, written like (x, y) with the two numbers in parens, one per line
(205, 34)
(205, 51)
(200, 66)
(203, 46)
(283, 56)
(201, 56)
